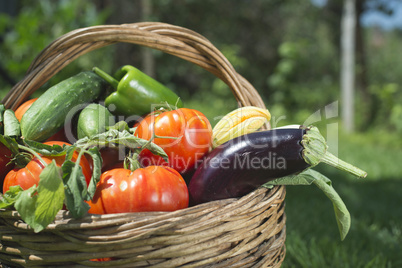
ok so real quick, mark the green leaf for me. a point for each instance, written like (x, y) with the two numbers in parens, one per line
(8, 199)
(20, 159)
(10, 143)
(124, 138)
(11, 124)
(309, 177)
(70, 152)
(50, 196)
(25, 205)
(38, 206)
(96, 171)
(119, 126)
(2, 109)
(129, 140)
(75, 189)
(45, 149)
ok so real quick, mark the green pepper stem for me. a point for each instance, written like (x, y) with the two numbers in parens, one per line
(315, 151)
(108, 78)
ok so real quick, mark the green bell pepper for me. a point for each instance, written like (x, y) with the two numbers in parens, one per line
(136, 93)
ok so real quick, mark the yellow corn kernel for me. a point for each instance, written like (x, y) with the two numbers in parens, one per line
(239, 122)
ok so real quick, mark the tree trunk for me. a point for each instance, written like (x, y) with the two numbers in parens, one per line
(348, 64)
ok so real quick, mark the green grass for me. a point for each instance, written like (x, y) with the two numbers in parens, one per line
(375, 237)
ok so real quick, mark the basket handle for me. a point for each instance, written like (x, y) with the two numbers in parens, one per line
(175, 40)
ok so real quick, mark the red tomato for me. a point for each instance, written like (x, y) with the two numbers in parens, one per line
(154, 188)
(29, 175)
(192, 130)
(25, 177)
(20, 111)
(5, 157)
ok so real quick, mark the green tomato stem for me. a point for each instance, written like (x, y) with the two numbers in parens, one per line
(80, 154)
(25, 148)
(154, 136)
(131, 162)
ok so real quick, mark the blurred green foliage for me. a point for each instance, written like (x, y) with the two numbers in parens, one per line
(37, 25)
(296, 94)
(214, 98)
(289, 51)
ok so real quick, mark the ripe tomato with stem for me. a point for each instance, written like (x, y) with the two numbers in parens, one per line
(191, 139)
(153, 188)
(28, 176)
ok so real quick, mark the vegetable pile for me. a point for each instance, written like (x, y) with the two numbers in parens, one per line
(96, 143)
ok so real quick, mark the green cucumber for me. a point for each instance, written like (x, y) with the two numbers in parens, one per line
(94, 119)
(49, 112)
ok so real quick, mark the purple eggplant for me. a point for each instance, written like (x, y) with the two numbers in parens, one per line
(242, 164)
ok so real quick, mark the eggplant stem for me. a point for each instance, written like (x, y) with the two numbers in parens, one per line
(316, 151)
(334, 161)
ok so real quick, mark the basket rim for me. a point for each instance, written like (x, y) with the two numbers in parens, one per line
(64, 220)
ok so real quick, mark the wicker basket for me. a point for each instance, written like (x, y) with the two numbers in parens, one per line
(243, 232)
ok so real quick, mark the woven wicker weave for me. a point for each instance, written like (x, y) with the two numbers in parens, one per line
(244, 232)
